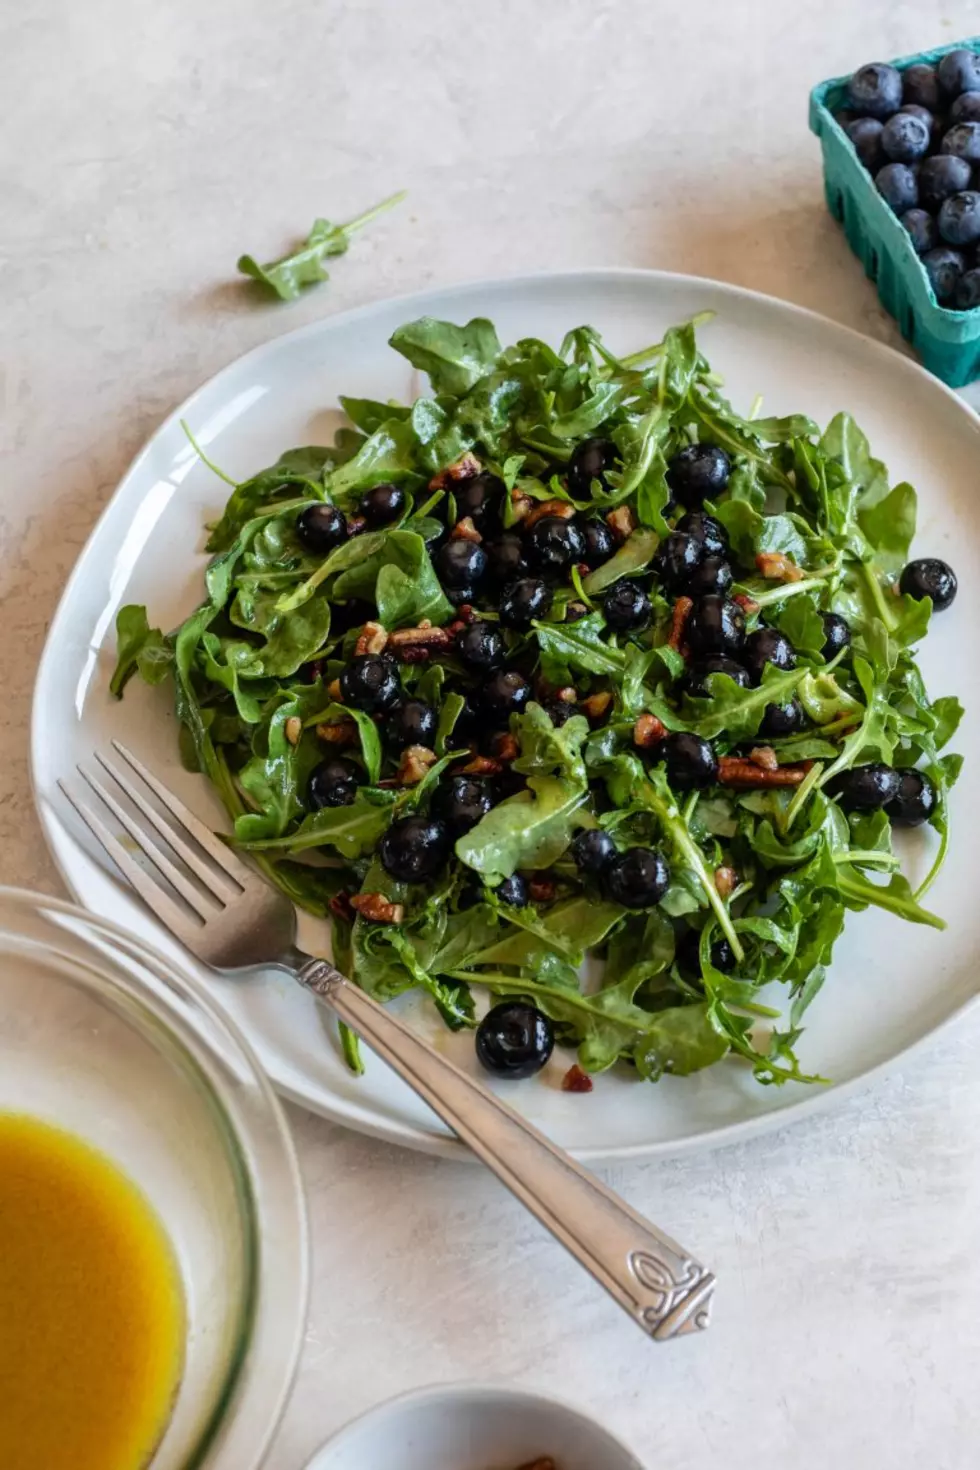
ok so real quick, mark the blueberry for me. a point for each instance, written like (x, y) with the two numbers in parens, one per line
(959, 71)
(626, 607)
(691, 762)
(589, 462)
(514, 1040)
(933, 123)
(554, 544)
(504, 694)
(321, 528)
(676, 558)
(920, 84)
(713, 575)
(914, 802)
(922, 229)
(767, 646)
(460, 802)
(959, 218)
(524, 600)
(875, 90)
(382, 505)
(696, 683)
(699, 472)
(460, 563)
(963, 141)
(637, 878)
(897, 185)
(966, 108)
(836, 633)
(929, 577)
(413, 722)
(782, 719)
(944, 268)
(332, 783)
(592, 851)
(906, 137)
(599, 543)
(967, 294)
(559, 711)
(716, 625)
(371, 683)
(505, 558)
(480, 647)
(865, 788)
(460, 596)
(414, 849)
(480, 499)
(704, 528)
(865, 134)
(688, 954)
(513, 890)
(941, 176)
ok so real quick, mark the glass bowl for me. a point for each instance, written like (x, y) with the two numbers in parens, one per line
(104, 1038)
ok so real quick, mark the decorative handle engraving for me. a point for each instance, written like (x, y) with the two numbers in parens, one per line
(664, 1289)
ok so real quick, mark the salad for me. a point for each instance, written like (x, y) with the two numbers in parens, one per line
(570, 661)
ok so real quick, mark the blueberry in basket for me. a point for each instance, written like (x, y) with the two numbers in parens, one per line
(488, 750)
(917, 131)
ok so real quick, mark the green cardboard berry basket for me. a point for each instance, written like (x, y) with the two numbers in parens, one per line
(947, 342)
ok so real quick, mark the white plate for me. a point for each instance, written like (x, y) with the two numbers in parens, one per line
(892, 983)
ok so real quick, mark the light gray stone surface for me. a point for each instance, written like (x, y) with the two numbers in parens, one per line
(143, 147)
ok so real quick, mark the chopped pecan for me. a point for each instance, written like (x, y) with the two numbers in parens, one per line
(574, 1080)
(542, 890)
(567, 695)
(764, 757)
(596, 705)
(356, 524)
(341, 906)
(293, 729)
(372, 638)
(621, 521)
(739, 771)
(521, 505)
(377, 908)
(480, 765)
(414, 655)
(746, 603)
(559, 508)
(775, 566)
(465, 530)
(648, 732)
(415, 761)
(467, 467)
(678, 621)
(574, 611)
(726, 881)
(335, 691)
(404, 640)
(505, 747)
(343, 732)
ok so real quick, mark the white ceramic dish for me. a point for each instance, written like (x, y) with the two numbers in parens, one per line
(892, 984)
(472, 1427)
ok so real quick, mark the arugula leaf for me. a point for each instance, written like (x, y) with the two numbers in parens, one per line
(304, 267)
(455, 358)
(139, 648)
(580, 645)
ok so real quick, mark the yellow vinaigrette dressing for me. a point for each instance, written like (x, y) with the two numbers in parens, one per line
(91, 1309)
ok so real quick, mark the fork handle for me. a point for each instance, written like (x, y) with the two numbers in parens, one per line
(665, 1290)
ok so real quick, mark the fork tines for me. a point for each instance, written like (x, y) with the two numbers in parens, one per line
(207, 874)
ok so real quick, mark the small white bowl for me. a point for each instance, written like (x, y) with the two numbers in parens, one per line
(472, 1427)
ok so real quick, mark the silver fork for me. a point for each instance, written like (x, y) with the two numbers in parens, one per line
(232, 919)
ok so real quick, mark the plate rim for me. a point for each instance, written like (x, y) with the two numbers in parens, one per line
(388, 1129)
